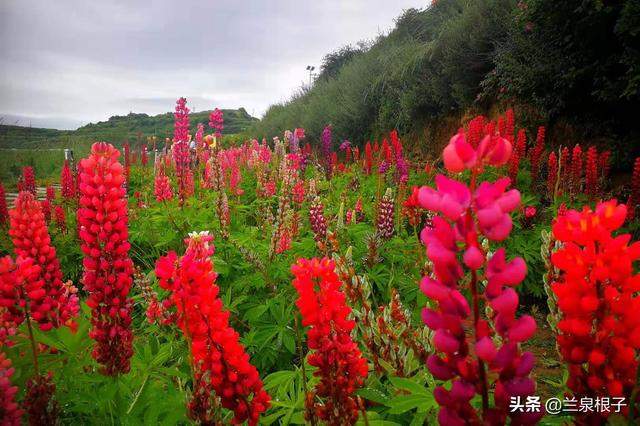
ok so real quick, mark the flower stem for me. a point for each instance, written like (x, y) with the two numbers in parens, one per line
(34, 347)
(476, 317)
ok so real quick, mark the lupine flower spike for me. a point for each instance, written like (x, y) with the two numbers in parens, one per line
(340, 365)
(465, 358)
(597, 296)
(219, 362)
(108, 269)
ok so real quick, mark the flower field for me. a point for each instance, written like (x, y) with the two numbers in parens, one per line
(308, 280)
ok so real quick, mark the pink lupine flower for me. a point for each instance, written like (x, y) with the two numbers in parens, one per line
(493, 207)
(451, 197)
(464, 357)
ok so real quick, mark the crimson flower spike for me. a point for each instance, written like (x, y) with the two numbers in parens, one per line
(220, 364)
(108, 270)
(340, 364)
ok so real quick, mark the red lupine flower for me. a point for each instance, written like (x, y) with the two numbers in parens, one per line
(576, 169)
(162, 185)
(591, 173)
(521, 143)
(19, 288)
(475, 130)
(31, 240)
(29, 180)
(597, 296)
(509, 126)
(552, 175)
(39, 402)
(340, 365)
(51, 194)
(466, 214)
(284, 242)
(386, 214)
(298, 192)
(514, 166)
(411, 207)
(219, 361)
(317, 219)
(60, 219)
(4, 212)
(46, 210)
(67, 182)
(108, 270)
(634, 197)
(9, 408)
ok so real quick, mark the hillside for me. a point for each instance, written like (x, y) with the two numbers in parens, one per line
(117, 129)
(460, 57)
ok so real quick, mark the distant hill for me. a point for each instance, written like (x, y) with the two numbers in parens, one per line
(133, 127)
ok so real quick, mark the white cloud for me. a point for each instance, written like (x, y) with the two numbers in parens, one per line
(86, 61)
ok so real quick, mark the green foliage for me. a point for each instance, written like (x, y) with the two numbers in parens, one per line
(430, 64)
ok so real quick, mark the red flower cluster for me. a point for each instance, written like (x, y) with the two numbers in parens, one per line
(9, 408)
(19, 288)
(108, 270)
(29, 180)
(340, 365)
(60, 219)
(576, 169)
(591, 173)
(368, 158)
(219, 360)
(411, 208)
(67, 182)
(28, 231)
(51, 194)
(597, 294)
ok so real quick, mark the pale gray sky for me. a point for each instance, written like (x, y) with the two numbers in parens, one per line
(69, 62)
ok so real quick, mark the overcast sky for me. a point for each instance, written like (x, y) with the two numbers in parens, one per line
(65, 63)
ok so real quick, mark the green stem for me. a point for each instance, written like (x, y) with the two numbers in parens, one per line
(34, 347)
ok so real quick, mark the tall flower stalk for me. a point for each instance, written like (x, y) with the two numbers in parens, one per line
(108, 270)
(470, 218)
(219, 362)
(340, 365)
(598, 302)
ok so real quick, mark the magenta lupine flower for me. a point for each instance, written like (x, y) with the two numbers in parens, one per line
(216, 121)
(317, 219)
(181, 125)
(453, 245)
